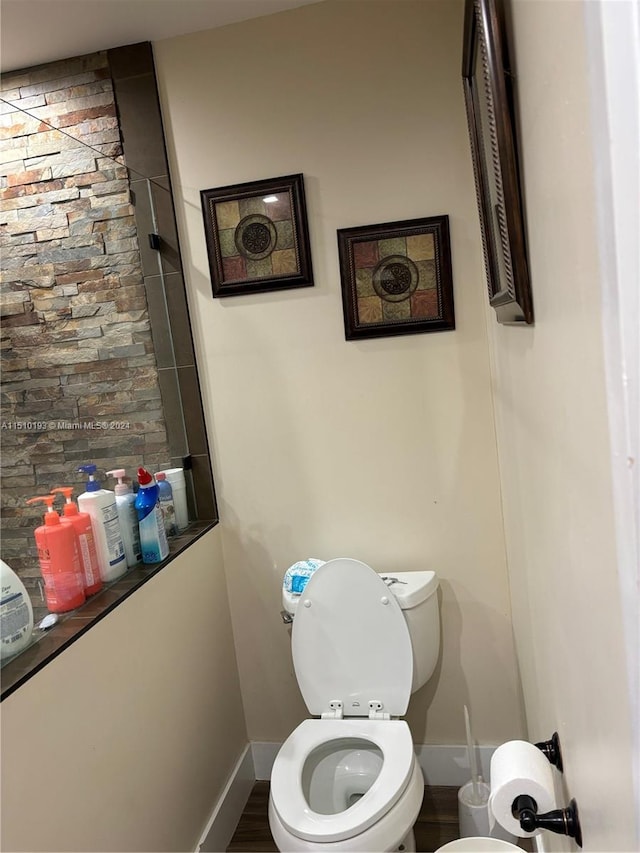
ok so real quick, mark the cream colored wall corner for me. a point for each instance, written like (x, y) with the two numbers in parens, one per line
(382, 450)
(125, 741)
(553, 442)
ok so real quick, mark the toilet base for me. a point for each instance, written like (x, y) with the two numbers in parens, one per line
(408, 843)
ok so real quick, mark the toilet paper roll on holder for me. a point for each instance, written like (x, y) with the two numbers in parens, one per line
(561, 821)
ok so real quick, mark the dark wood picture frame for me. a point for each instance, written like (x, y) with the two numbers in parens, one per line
(492, 130)
(396, 278)
(257, 236)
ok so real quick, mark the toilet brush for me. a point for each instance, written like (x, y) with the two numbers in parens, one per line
(473, 800)
(473, 797)
(473, 764)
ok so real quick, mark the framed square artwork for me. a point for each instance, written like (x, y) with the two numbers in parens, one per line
(257, 236)
(396, 278)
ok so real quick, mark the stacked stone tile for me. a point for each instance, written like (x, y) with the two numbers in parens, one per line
(79, 378)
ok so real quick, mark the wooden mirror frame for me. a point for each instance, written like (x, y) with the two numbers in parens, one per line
(487, 84)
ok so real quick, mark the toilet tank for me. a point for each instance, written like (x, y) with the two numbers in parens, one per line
(416, 593)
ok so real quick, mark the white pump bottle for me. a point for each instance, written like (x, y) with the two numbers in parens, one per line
(101, 506)
(125, 503)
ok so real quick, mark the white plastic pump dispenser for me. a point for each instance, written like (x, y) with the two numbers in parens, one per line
(101, 505)
(125, 504)
(16, 613)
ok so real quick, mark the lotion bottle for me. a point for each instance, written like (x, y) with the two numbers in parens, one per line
(101, 505)
(125, 504)
(16, 613)
(153, 539)
(81, 523)
(59, 561)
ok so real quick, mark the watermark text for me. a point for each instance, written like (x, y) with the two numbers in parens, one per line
(43, 426)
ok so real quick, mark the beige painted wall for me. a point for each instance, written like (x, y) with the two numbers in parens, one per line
(553, 440)
(125, 741)
(382, 450)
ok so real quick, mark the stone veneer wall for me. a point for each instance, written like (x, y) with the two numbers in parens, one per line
(76, 346)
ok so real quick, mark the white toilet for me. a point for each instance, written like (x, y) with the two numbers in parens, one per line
(349, 779)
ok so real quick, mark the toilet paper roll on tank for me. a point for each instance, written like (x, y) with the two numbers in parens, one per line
(295, 580)
(519, 767)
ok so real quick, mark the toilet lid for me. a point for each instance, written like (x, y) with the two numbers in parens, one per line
(351, 642)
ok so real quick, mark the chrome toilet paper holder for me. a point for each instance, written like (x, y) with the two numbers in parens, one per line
(561, 821)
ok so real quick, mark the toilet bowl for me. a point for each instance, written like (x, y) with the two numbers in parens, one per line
(361, 787)
(350, 780)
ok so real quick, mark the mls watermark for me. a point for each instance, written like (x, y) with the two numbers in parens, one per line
(42, 426)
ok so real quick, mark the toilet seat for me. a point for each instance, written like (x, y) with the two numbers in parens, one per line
(394, 740)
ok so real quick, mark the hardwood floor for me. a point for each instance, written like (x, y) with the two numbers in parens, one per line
(252, 833)
(437, 822)
(438, 819)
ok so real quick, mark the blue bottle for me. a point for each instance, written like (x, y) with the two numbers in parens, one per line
(166, 503)
(153, 539)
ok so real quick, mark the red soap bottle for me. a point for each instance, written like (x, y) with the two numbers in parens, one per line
(81, 523)
(59, 562)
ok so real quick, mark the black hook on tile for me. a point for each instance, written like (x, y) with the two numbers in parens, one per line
(551, 748)
(561, 821)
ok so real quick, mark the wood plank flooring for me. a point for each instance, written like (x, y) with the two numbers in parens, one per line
(436, 825)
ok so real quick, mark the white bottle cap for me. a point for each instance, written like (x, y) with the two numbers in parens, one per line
(174, 475)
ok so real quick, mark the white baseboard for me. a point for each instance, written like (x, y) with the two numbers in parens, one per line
(264, 754)
(228, 810)
(441, 765)
(449, 765)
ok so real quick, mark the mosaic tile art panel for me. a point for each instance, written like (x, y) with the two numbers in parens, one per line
(396, 279)
(256, 237)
